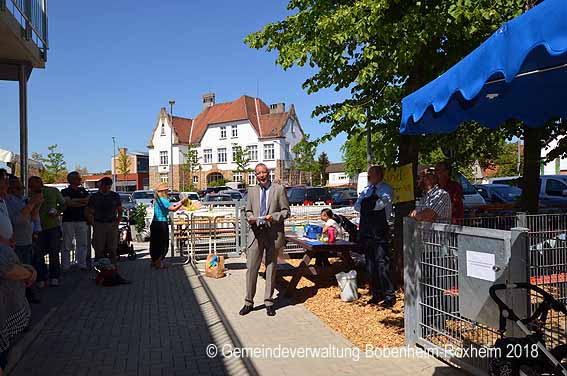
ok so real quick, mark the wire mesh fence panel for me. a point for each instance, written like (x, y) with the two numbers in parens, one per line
(547, 266)
(441, 322)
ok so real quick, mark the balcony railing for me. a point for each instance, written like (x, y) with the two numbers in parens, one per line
(32, 16)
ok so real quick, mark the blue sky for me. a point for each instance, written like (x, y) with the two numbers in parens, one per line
(113, 64)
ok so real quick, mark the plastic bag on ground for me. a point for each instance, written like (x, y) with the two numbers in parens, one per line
(348, 286)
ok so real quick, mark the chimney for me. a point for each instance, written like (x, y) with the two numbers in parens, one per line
(277, 108)
(208, 100)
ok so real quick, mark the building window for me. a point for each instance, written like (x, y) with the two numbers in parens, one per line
(222, 133)
(222, 155)
(252, 152)
(163, 158)
(287, 152)
(251, 179)
(272, 175)
(269, 152)
(234, 130)
(208, 155)
(195, 179)
(237, 177)
(234, 150)
(163, 130)
(163, 178)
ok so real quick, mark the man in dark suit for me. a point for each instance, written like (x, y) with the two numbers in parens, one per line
(266, 210)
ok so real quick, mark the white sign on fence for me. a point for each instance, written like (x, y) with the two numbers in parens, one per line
(481, 265)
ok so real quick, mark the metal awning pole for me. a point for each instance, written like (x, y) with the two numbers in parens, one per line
(23, 81)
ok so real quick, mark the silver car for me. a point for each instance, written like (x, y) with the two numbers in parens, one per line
(145, 197)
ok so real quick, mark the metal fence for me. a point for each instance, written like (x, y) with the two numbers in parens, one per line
(434, 317)
(32, 16)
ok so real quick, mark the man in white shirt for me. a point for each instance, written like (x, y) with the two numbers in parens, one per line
(375, 207)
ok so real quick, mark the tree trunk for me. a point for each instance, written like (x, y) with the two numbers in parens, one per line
(408, 153)
(532, 164)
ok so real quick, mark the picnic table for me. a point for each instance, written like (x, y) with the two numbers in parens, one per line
(317, 249)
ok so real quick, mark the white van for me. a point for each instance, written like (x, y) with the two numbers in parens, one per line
(471, 197)
(235, 185)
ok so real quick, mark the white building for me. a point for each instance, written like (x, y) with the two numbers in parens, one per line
(268, 133)
(556, 167)
(338, 177)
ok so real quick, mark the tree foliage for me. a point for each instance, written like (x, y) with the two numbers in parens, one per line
(379, 51)
(123, 164)
(83, 170)
(242, 160)
(304, 160)
(190, 166)
(55, 165)
(322, 164)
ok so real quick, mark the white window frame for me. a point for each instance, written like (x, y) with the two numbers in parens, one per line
(271, 150)
(195, 179)
(164, 178)
(162, 130)
(272, 174)
(164, 158)
(250, 155)
(223, 133)
(252, 179)
(209, 153)
(237, 177)
(221, 152)
(234, 131)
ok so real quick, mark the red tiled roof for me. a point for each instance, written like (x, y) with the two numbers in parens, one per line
(244, 108)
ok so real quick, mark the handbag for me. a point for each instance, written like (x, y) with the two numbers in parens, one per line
(214, 268)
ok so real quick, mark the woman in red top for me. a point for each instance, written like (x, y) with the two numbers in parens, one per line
(443, 172)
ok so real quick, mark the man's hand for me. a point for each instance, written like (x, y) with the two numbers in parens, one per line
(269, 218)
(32, 278)
(37, 199)
(252, 221)
(413, 213)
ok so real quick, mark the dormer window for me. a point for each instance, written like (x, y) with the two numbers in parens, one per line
(163, 130)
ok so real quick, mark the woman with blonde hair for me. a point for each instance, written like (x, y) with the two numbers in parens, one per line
(159, 231)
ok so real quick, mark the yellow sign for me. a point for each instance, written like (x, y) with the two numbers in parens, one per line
(401, 180)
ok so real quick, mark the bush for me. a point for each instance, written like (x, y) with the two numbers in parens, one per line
(139, 217)
(217, 183)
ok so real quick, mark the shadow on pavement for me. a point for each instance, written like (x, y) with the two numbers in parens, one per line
(155, 325)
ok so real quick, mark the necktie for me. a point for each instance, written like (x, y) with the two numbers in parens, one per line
(263, 208)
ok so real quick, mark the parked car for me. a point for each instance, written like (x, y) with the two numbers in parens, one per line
(145, 197)
(218, 200)
(345, 198)
(127, 201)
(216, 189)
(173, 196)
(309, 196)
(235, 195)
(236, 185)
(499, 193)
(552, 192)
(193, 196)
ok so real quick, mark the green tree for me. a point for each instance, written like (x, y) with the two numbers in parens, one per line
(304, 161)
(322, 164)
(217, 183)
(123, 164)
(506, 163)
(190, 167)
(55, 165)
(242, 160)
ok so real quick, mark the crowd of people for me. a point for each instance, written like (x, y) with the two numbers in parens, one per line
(53, 223)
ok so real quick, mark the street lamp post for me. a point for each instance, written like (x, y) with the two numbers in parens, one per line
(114, 163)
(171, 103)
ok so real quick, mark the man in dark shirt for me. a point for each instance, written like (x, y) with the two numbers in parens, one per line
(74, 222)
(104, 211)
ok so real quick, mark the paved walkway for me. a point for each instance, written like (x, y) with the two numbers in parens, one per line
(164, 322)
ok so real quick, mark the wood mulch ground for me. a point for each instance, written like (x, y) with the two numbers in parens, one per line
(361, 323)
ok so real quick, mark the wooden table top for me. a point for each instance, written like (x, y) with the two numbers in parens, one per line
(318, 246)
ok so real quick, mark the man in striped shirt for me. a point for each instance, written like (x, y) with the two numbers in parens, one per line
(435, 205)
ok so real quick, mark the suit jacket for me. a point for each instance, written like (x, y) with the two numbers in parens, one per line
(278, 208)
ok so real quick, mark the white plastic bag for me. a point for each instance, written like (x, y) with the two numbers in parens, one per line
(347, 284)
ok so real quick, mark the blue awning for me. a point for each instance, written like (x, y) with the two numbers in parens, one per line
(520, 72)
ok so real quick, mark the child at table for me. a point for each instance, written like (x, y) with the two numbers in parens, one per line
(327, 217)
